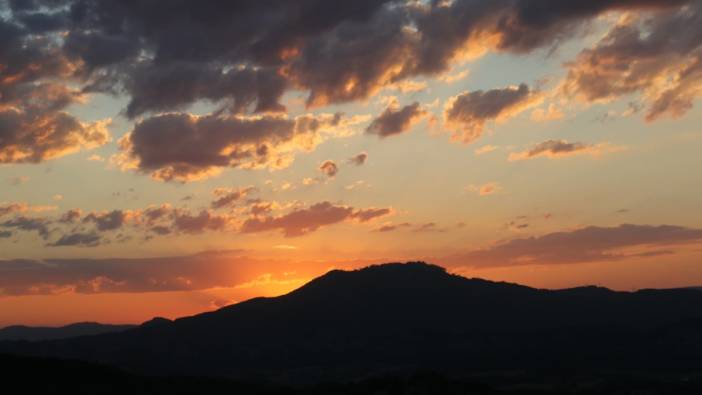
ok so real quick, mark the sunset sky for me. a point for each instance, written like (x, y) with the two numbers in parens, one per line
(171, 157)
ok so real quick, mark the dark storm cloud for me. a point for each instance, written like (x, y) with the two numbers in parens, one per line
(395, 120)
(590, 244)
(176, 85)
(536, 23)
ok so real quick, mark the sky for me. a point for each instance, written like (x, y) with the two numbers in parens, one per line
(164, 158)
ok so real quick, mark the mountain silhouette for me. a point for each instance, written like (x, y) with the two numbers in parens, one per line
(404, 317)
(35, 333)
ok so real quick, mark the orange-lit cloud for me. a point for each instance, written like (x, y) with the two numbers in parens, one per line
(590, 244)
(485, 149)
(656, 56)
(550, 113)
(395, 120)
(303, 221)
(228, 197)
(200, 146)
(485, 189)
(563, 149)
(467, 113)
(329, 168)
(358, 159)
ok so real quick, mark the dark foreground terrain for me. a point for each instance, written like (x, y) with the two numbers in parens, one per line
(398, 319)
(35, 333)
(52, 376)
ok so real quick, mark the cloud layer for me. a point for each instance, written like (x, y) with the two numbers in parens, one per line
(184, 147)
(590, 244)
(242, 57)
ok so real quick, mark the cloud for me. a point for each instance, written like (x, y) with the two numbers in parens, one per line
(365, 215)
(357, 185)
(15, 208)
(489, 189)
(329, 168)
(428, 227)
(108, 221)
(467, 113)
(183, 147)
(358, 159)
(395, 120)
(177, 84)
(451, 78)
(302, 221)
(228, 198)
(485, 189)
(550, 113)
(167, 58)
(71, 216)
(29, 138)
(89, 276)
(485, 149)
(77, 239)
(10, 208)
(27, 224)
(590, 244)
(562, 149)
(72, 227)
(393, 227)
(33, 124)
(654, 55)
(185, 222)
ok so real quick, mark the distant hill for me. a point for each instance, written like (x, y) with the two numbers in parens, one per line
(36, 333)
(404, 317)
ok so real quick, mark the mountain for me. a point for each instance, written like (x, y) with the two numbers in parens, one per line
(36, 333)
(404, 317)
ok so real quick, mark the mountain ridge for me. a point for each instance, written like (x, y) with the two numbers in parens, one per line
(38, 333)
(398, 317)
